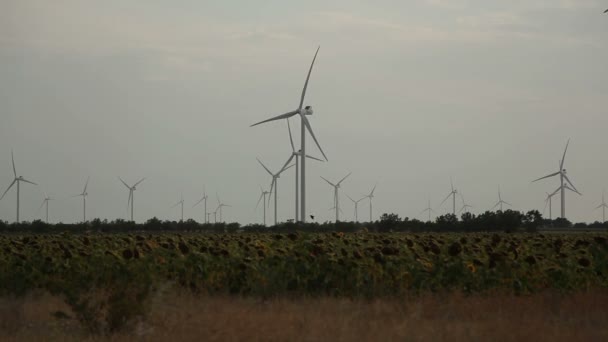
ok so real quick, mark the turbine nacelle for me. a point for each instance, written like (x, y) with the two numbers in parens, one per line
(307, 110)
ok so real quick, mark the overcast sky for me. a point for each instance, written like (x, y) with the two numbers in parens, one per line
(406, 93)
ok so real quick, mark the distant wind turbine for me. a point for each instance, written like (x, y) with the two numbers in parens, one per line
(181, 202)
(465, 206)
(500, 201)
(453, 194)
(356, 203)
(219, 207)
(297, 156)
(18, 180)
(203, 199)
(429, 210)
(131, 193)
(84, 195)
(548, 203)
(563, 179)
(371, 196)
(263, 197)
(337, 195)
(303, 112)
(603, 206)
(274, 185)
(46, 202)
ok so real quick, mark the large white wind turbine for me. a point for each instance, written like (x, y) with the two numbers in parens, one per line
(371, 196)
(302, 111)
(603, 206)
(337, 195)
(182, 204)
(296, 154)
(563, 185)
(203, 199)
(500, 201)
(274, 184)
(429, 210)
(84, 195)
(46, 201)
(18, 180)
(453, 194)
(356, 203)
(263, 199)
(131, 194)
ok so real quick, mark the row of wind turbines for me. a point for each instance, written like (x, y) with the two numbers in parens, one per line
(84, 194)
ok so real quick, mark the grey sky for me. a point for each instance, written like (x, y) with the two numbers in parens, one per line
(406, 94)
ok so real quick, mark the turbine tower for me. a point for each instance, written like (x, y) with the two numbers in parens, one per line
(603, 206)
(563, 186)
(274, 184)
(84, 195)
(263, 197)
(182, 204)
(429, 210)
(371, 196)
(296, 154)
(131, 194)
(453, 194)
(302, 111)
(18, 180)
(203, 199)
(219, 207)
(356, 203)
(46, 202)
(500, 201)
(337, 195)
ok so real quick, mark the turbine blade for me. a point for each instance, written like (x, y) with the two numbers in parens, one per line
(497, 204)
(293, 148)
(257, 204)
(42, 205)
(141, 180)
(351, 198)
(569, 182)
(307, 79)
(311, 157)
(130, 198)
(330, 183)
(271, 187)
(599, 206)
(27, 181)
(374, 189)
(287, 168)
(507, 203)
(561, 165)
(305, 120)
(85, 185)
(9, 187)
(448, 196)
(123, 182)
(555, 192)
(197, 203)
(278, 117)
(547, 176)
(287, 163)
(344, 178)
(14, 168)
(264, 166)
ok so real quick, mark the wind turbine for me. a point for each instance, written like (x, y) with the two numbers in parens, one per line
(182, 204)
(356, 203)
(18, 180)
(302, 111)
(563, 186)
(219, 207)
(131, 193)
(84, 195)
(203, 199)
(274, 184)
(371, 196)
(465, 205)
(46, 202)
(603, 206)
(337, 195)
(428, 209)
(263, 197)
(296, 154)
(548, 202)
(453, 194)
(500, 201)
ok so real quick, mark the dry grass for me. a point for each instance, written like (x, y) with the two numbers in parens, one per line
(183, 317)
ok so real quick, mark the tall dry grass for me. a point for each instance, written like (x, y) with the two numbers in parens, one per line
(453, 317)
